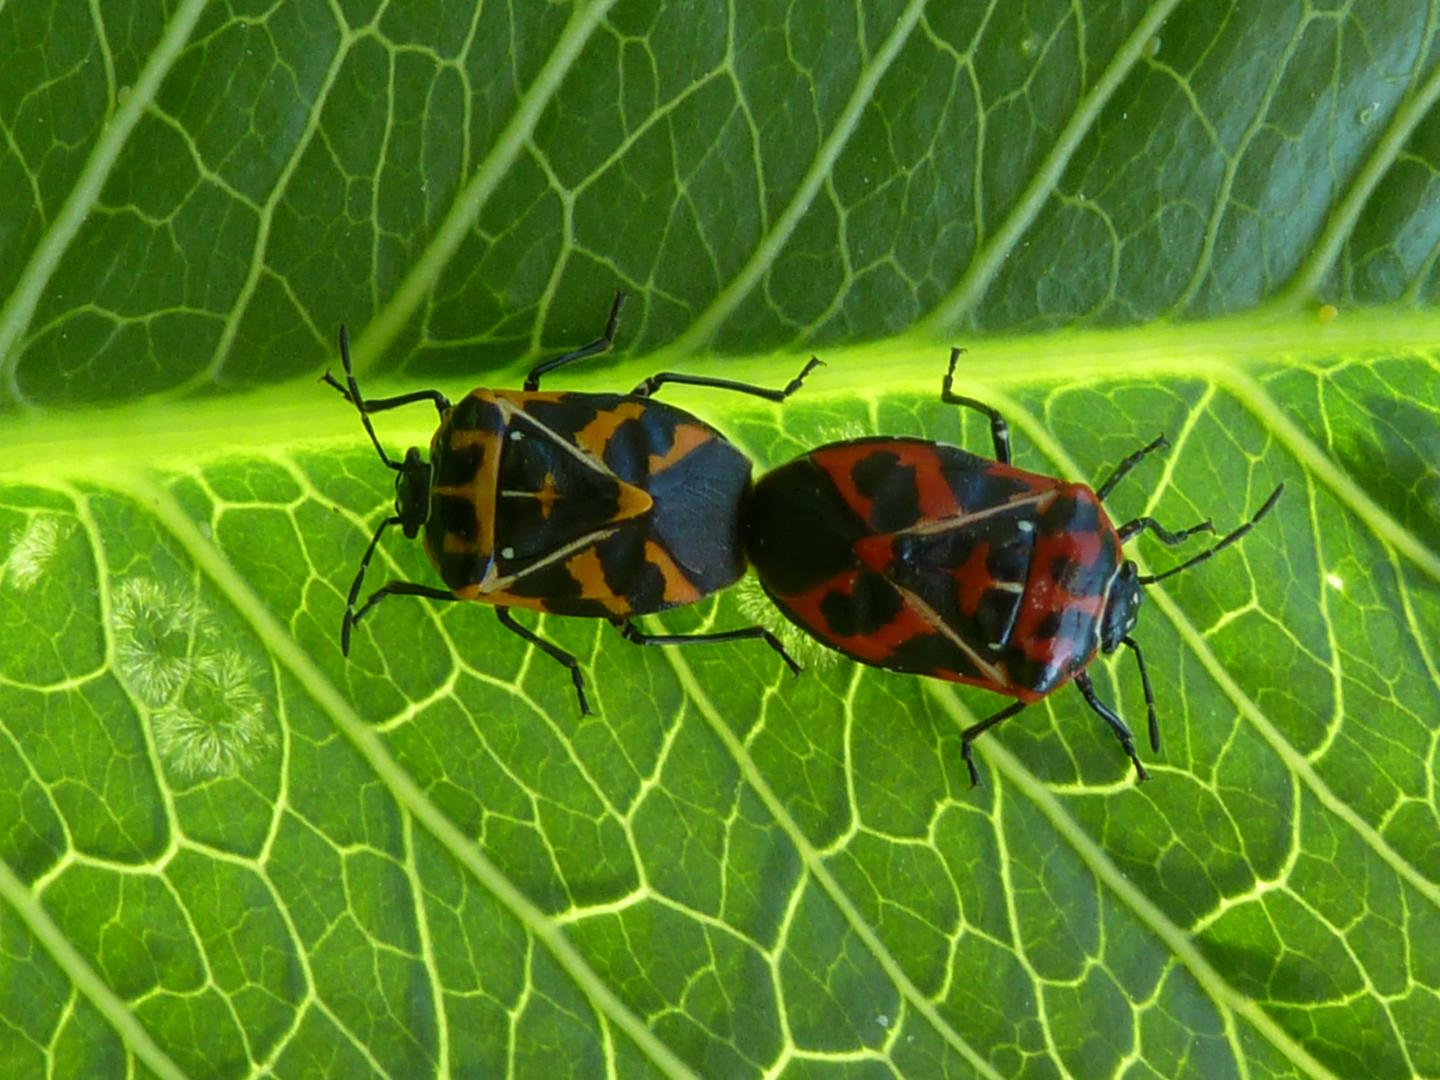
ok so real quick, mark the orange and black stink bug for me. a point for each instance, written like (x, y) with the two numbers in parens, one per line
(601, 505)
(920, 557)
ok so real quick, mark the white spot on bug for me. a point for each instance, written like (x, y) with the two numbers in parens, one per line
(207, 715)
(516, 436)
(1025, 526)
(1010, 586)
(31, 551)
(507, 553)
(1335, 581)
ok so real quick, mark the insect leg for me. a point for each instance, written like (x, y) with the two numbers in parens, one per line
(394, 588)
(350, 391)
(559, 655)
(654, 382)
(1119, 727)
(974, 731)
(349, 620)
(1164, 535)
(1149, 694)
(633, 634)
(1123, 469)
(373, 405)
(999, 430)
(599, 345)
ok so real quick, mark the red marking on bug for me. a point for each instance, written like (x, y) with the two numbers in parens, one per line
(934, 497)
(973, 579)
(878, 644)
(876, 551)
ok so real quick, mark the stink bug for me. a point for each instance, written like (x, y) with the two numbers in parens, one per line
(601, 505)
(923, 558)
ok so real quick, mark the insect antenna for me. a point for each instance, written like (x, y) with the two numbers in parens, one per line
(351, 393)
(1150, 579)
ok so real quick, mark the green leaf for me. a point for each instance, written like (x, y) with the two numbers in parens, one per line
(227, 849)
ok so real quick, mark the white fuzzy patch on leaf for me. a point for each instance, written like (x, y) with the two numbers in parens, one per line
(208, 716)
(31, 552)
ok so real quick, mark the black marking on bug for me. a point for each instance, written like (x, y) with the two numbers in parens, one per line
(1009, 561)
(797, 527)
(1049, 626)
(1062, 570)
(872, 603)
(474, 413)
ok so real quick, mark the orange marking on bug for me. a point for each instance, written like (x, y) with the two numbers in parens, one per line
(595, 435)
(462, 439)
(454, 544)
(480, 491)
(501, 598)
(521, 398)
(547, 496)
(687, 438)
(632, 502)
(678, 588)
(460, 491)
(589, 573)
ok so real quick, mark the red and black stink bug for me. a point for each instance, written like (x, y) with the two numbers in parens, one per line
(601, 505)
(920, 557)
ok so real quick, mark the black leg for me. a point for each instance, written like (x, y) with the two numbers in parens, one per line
(633, 634)
(999, 430)
(394, 588)
(1150, 579)
(1149, 694)
(1121, 470)
(350, 391)
(374, 405)
(1119, 727)
(654, 382)
(1165, 536)
(974, 731)
(349, 620)
(559, 655)
(599, 345)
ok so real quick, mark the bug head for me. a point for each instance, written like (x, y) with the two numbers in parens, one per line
(1122, 607)
(412, 492)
